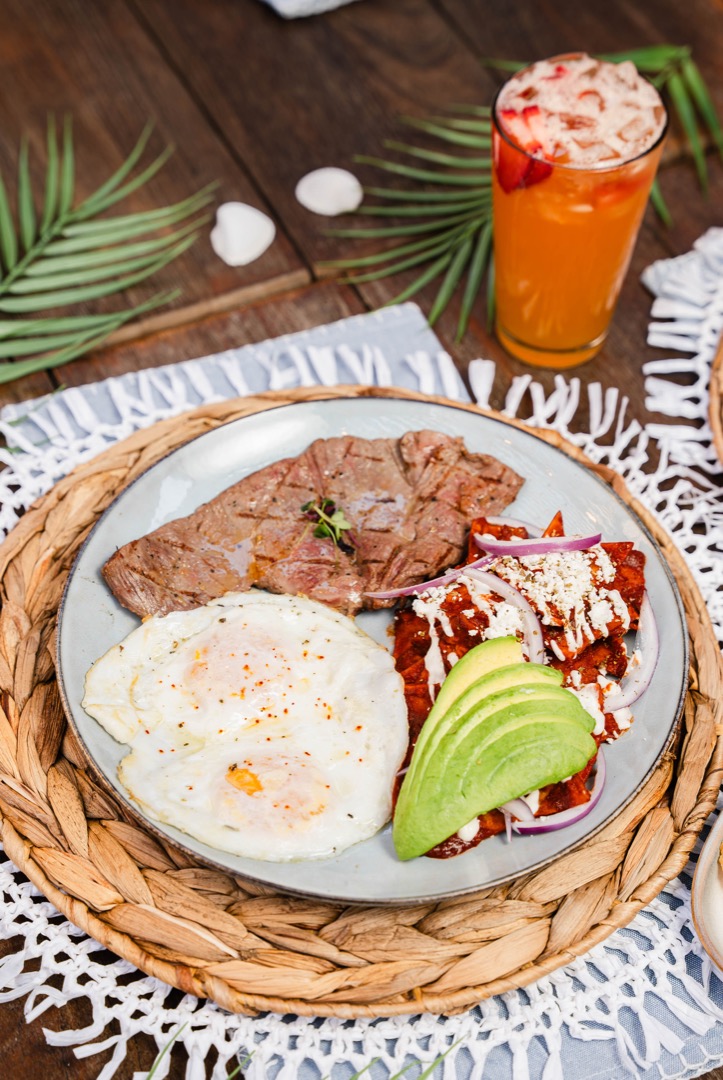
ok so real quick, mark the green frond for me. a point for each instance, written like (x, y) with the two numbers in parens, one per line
(79, 294)
(56, 264)
(52, 173)
(72, 257)
(392, 252)
(659, 204)
(424, 278)
(479, 126)
(91, 234)
(8, 236)
(83, 342)
(476, 138)
(699, 93)
(425, 209)
(403, 195)
(64, 324)
(125, 169)
(503, 65)
(451, 280)
(471, 110)
(428, 175)
(650, 58)
(86, 277)
(67, 169)
(400, 230)
(96, 205)
(480, 259)
(398, 267)
(166, 1049)
(439, 158)
(26, 207)
(686, 114)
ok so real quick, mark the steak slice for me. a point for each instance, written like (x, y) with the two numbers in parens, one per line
(409, 502)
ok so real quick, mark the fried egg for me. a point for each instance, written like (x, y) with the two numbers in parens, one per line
(268, 726)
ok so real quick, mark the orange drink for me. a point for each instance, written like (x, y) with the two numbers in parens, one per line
(576, 143)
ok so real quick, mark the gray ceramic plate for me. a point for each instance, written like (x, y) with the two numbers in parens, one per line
(91, 621)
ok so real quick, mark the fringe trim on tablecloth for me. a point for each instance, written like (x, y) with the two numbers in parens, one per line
(615, 995)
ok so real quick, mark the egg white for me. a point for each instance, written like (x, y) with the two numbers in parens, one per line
(268, 726)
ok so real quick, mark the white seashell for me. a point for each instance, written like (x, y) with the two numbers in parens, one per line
(329, 191)
(241, 233)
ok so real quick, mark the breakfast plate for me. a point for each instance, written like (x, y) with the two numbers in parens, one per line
(370, 872)
(706, 896)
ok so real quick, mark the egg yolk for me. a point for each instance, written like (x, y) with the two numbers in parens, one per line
(244, 780)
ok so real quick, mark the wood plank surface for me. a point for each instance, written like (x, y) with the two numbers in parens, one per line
(96, 64)
(283, 314)
(415, 60)
(255, 102)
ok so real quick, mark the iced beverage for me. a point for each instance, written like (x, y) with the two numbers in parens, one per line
(576, 143)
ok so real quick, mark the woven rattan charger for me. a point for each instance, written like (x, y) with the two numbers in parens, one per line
(244, 945)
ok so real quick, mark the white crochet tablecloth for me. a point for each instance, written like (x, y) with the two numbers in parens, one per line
(647, 1003)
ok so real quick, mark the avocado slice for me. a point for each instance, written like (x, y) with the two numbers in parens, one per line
(470, 721)
(478, 661)
(509, 677)
(515, 749)
(556, 700)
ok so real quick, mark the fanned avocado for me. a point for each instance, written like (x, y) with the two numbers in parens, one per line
(481, 660)
(510, 731)
(520, 676)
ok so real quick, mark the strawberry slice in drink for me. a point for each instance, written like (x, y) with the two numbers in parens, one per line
(520, 168)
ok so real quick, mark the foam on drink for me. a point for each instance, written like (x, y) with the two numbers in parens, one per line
(582, 112)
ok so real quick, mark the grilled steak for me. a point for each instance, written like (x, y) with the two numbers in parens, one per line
(409, 502)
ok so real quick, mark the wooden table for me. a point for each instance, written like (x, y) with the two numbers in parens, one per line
(254, 102)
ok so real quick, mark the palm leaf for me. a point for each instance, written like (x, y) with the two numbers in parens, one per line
(67, 169)
(26, 207)
(474, 278)
(73, 256)
(8, 236)
(451, 280)
(686, 115)
(452, 131)
(428, 175)
(437, 157)
(51, 177)
(699, 92)
(84, 342)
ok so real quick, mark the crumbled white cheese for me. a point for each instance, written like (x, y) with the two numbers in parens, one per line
(568, 587)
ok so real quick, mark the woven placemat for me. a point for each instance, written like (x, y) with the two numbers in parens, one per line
(715, 406)
(246, 946)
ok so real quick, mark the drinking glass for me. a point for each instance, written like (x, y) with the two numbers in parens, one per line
(563, 236)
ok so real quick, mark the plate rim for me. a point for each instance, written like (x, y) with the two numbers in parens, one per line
(274, 405)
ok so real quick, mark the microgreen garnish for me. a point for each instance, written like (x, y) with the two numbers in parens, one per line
(330, 522)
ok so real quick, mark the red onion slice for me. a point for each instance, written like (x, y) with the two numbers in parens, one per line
(423, 586)
(633, 685)
(553, 822)
(541, 545)
(530, 623)
(519, 808)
